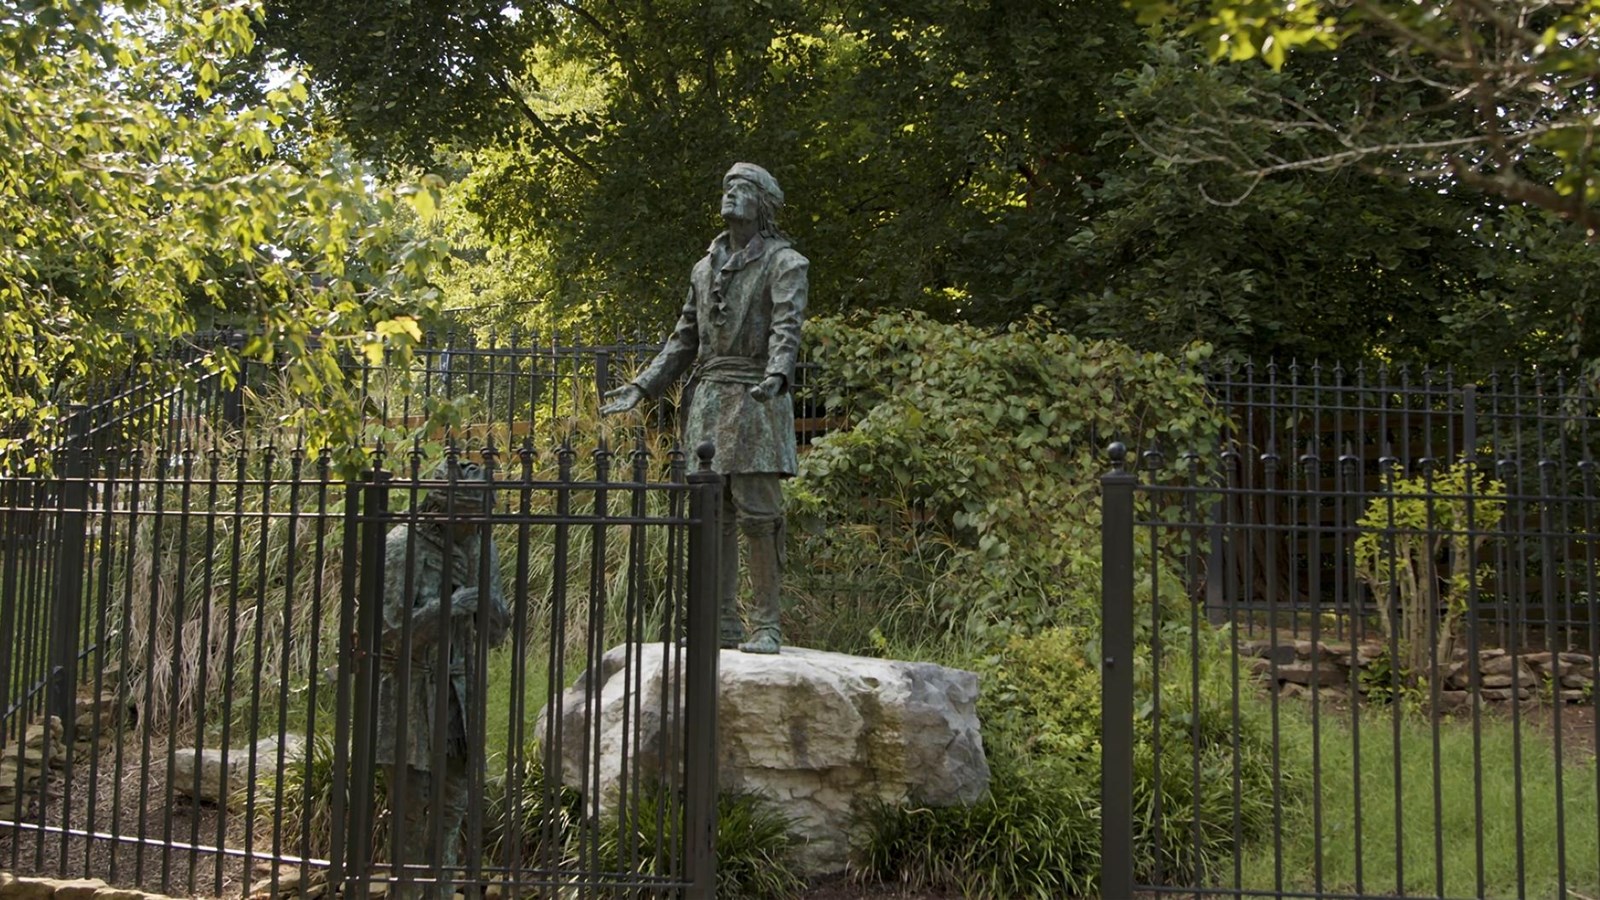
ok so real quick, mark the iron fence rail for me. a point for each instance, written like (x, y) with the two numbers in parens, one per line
(191, 657)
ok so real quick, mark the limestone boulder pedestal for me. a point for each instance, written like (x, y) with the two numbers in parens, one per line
(818, 733)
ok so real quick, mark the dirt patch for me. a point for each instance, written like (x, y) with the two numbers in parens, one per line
(101, 802)
(842, 888)
(1576, 736)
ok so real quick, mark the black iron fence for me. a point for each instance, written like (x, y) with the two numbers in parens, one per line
(1404, 709)
(209, 658)
(1324, 432)
(1329, 640)
(466, 391)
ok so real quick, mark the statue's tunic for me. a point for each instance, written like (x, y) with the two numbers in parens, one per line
(427, 581)
(740, 323)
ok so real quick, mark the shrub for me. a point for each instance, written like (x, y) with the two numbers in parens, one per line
(966, 487)
(1037, 833)
(1413, 552)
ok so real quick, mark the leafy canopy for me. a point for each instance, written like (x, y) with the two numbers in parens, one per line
(143, 195)
(1506, 88)
(973, 162)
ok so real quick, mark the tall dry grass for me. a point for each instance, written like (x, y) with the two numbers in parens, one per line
(227, 565)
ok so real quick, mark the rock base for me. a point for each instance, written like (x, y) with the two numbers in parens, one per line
(821, 734)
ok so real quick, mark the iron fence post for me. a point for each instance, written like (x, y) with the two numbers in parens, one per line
(68, 599)
(700, 680)
(602, 373)
(348, 587)
(364, 669)
(1116, 685)
(233, 397)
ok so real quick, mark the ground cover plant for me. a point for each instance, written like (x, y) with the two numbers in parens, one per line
(1037, 834)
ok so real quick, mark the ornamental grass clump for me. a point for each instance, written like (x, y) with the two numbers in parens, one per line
(755, 845)
(223, 567)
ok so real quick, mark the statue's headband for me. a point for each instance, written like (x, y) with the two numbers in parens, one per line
(471, 486)
(757, 176)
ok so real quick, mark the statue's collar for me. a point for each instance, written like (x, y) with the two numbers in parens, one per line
(724, 259)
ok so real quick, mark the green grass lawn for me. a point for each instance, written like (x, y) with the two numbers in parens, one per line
(1519, 854)
(501, 694)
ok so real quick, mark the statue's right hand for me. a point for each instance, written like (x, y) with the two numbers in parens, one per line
(464, 602)
(621, 400)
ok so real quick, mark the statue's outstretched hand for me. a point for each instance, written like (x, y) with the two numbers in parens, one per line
(621, 400)
(770, 386)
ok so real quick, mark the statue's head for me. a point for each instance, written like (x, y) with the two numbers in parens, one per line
(750, 190)
(472, 490)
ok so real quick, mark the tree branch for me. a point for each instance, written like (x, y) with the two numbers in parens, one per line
(1513, 187)
(543, 127)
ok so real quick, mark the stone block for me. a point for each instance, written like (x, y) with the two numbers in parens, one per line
(1504, 694)
(236, 768)
(27, 889)
(79, 889)
(824, 733)
(1324, 673)
(1497, 665)
(1281, 651)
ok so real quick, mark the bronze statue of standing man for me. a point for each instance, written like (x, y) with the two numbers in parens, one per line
(740, 329)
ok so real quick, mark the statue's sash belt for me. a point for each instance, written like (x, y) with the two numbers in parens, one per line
(390, 662)
(731, 370)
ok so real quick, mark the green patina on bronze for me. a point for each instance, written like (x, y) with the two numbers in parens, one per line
(738, 337)
(425, 562)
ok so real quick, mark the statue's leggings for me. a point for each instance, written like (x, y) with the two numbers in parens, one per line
(752, 504)
(411, 837)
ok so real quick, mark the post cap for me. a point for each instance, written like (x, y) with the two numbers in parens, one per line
(705, 452)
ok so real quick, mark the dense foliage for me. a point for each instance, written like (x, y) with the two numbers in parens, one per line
(974, 161)
(1495, 96)
(967, 484)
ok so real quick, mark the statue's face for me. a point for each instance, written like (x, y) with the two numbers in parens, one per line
(739, 201)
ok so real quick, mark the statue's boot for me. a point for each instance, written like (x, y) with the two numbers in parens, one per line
(730, 630)
(766, 577)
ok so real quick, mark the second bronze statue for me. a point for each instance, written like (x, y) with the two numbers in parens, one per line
(739, 333)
